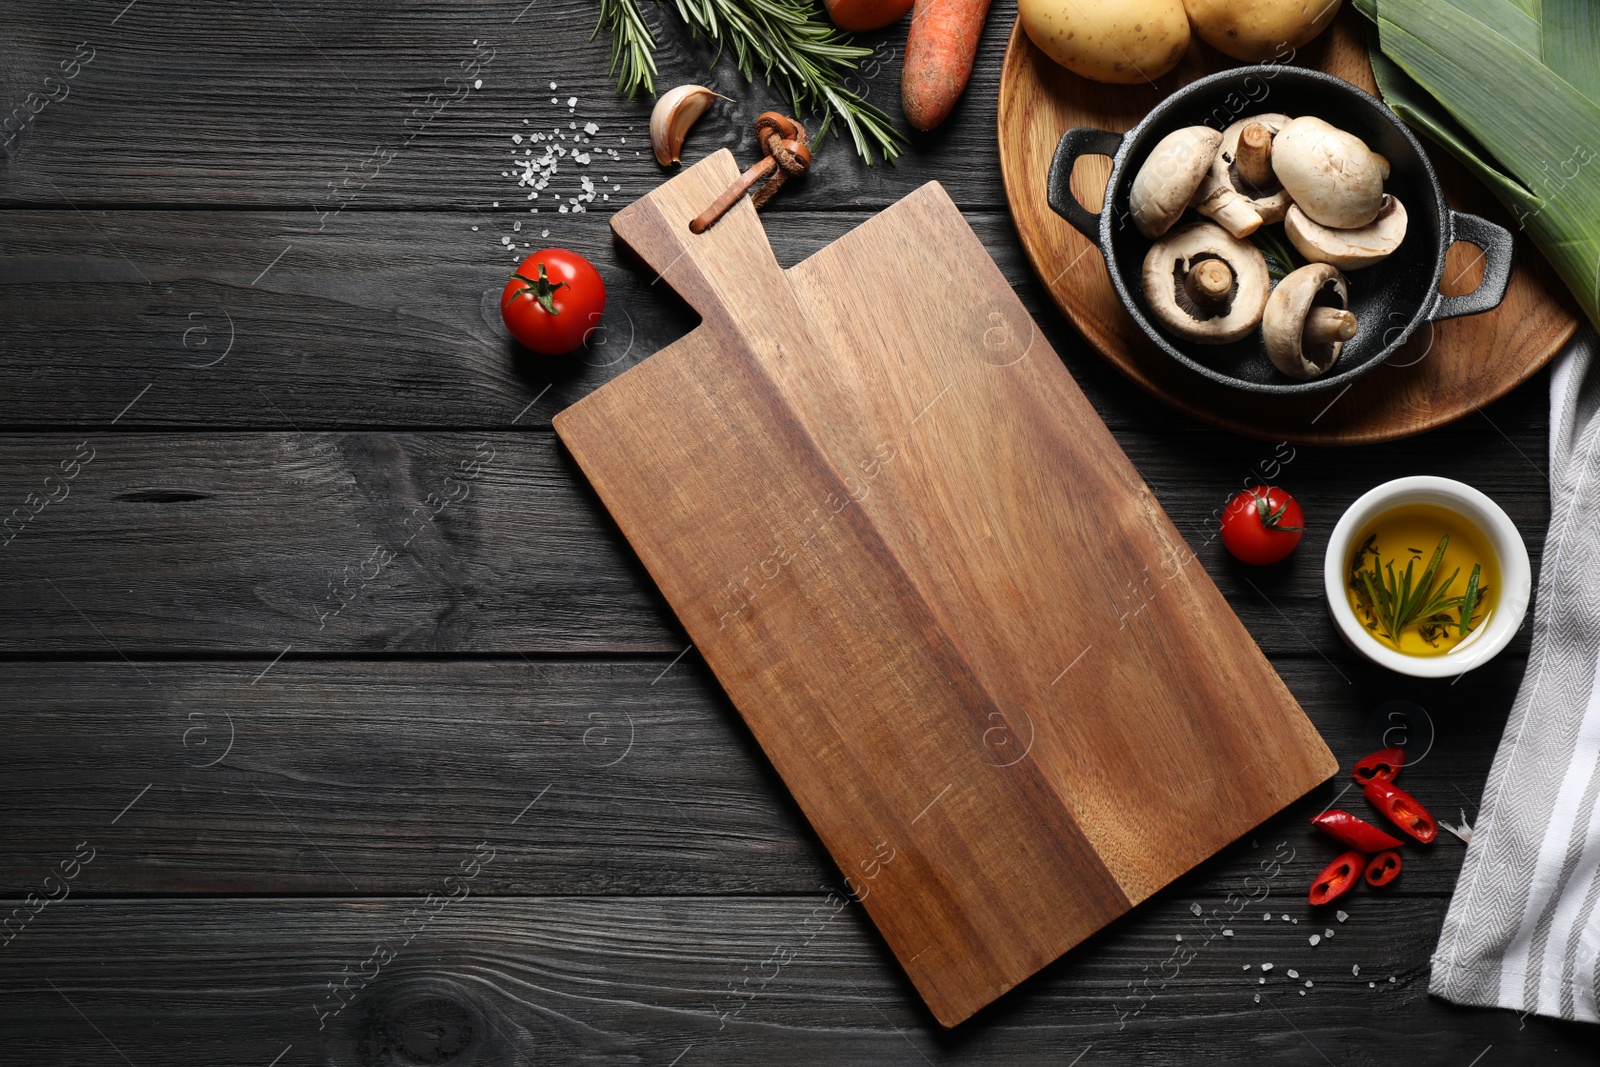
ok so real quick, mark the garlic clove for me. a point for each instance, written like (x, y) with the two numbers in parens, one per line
(674, 113)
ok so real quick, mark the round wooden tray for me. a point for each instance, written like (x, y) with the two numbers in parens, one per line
(1446, 371)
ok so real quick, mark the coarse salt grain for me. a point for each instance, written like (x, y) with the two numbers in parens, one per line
(1327, 932)
(516, 138)
(1294, 974)
(1355, 970)
(477, 83)
(1177, 937)
(1194, 909)
(553, 100)
(572, 101)
(1266, 966)
(1227, 933)
(1267, 917)
(1341, 916)
(1315, 939)
(1261, 981)
(591, 128)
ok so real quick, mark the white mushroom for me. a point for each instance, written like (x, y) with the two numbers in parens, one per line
(1169, 177)
(1205, 285)
(1349, 249)
(1244, 164)
(1306, 321)
(1217, 199)
(1331, 175)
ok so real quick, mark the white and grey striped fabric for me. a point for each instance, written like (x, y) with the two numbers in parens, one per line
(1523, 929)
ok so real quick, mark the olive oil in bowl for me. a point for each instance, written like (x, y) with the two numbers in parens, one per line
(1423, 580)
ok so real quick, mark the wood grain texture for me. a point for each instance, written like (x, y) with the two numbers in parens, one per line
(248, 543)
(271, 106)
(917, 629)
(399, 740)
(381, 319)
(645, 980)
(1447, 371)
(356, 778)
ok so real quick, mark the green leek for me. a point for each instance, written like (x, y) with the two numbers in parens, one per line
(1512, 89)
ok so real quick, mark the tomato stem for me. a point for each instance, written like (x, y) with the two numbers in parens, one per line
(541, 289)
(1270, 518)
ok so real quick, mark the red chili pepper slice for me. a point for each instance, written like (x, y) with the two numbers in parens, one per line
(1403, 810)
(1384, 868)
(1338, 877)
(1354, 832)
(1383, 765)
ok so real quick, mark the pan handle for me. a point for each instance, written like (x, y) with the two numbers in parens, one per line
(1079, 141)
(1498, 251)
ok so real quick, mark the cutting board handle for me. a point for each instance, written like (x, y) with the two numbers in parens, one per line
(719, 272)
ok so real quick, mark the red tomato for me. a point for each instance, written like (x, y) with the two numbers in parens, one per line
(1262, 526)
(553, 301)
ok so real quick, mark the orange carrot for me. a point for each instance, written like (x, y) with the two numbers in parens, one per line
(858, 15)
(939, 53)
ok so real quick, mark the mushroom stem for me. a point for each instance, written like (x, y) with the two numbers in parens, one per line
(1209, 282)
(1325, 326)
(1253, 159)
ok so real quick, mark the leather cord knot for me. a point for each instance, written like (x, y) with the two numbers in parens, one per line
(787, 156)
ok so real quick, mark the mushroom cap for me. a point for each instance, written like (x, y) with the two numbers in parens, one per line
(1271, 207)
(1284, 321)
(1169, 177)
(1167, 264)
(1349, 249)
(1331, 175)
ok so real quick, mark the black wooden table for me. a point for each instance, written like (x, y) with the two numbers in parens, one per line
(349, 763)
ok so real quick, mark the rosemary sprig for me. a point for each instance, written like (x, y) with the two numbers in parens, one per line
(1281, 257)
(799, 53)
(1394, 602)
(633, 46)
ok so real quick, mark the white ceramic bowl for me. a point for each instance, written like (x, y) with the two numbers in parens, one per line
(1511, 599)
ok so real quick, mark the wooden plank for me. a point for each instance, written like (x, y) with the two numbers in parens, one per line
(389, 319)
(286, 105)
(380, 319)
(371, 770)
(216, 542)
(718, 981)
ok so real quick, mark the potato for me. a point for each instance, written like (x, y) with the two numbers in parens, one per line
(1124, 42)
(1259, 30)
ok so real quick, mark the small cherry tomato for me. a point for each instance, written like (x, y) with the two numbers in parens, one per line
(553, 301)
(1338, 877)
(1262, 526)
(1384, 868)
(1382, 765)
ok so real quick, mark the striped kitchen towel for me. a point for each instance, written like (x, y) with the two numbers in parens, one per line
(1523, 929)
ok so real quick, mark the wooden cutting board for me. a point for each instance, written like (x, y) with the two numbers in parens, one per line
(978, 652)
